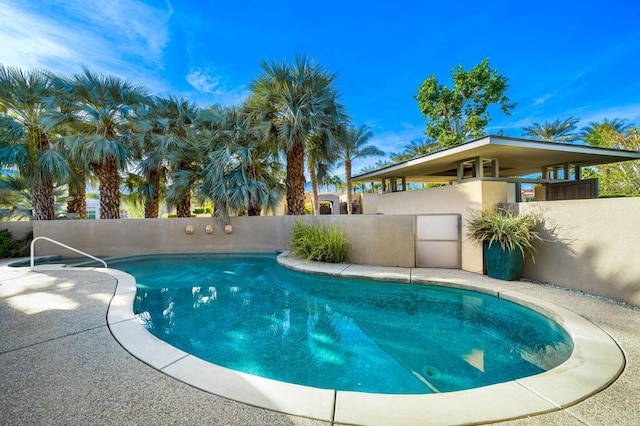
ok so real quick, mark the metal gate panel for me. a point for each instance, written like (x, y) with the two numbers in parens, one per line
(438, 240)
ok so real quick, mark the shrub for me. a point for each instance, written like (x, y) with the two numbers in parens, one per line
(203, 210)
(13, 248)
(317, 243)
(503, 227)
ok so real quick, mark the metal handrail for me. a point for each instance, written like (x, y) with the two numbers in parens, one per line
(62, 245)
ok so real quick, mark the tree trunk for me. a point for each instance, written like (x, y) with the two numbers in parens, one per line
(254, 209)
(43, 201)
(347, 178)
(315, 204)
(77, 205)
(295, 179)
(109, 188)
(152, 205)
(183, 209)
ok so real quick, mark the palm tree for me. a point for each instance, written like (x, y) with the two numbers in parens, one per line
(416, 149)
(164, 125)
(15, 198)
(240, 173)
(355, 145)
(290, 103)
(554, 131)
(107, 104)
(617, 178)
(604, 134)
(27, 139)
(186, 160)
(320, 159)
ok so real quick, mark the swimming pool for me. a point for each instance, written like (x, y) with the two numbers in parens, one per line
(596, 361)
(247, 313)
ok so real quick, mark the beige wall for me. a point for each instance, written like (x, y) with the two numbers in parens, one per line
(376, 240)
(18, 229)
(463, 199)
(593, 246)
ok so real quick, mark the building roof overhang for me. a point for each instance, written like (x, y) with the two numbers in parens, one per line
(516, 157)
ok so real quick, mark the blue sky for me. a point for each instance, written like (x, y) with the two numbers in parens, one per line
(562, 58)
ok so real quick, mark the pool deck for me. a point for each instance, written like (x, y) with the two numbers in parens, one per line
(60, 364)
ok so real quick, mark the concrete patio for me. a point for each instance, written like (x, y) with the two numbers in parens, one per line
(59, 363)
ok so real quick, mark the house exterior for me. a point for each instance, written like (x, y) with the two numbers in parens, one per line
(581, 230)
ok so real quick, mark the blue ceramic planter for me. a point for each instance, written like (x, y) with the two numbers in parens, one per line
(502, 264)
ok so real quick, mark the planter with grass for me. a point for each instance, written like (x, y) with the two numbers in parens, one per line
(506, 239)
(323, 244)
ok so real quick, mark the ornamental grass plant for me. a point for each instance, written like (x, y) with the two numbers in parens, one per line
(322, 244)
(503, 227)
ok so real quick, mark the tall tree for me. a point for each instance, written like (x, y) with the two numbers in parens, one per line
(416, 149)
(240, 173)
(459, 114)
(15, 198)
(290, 103)
(554, 131)
(107, 104)
(605, 133)
(617, 179)
(354, 145)
(320, 158)
(164, 124)
(27, 126)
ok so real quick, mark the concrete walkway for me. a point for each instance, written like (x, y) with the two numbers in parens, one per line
(59, 363)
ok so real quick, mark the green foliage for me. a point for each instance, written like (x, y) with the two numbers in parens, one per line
(503, 227)
(554, 131)
(459, 114)
(203, 210)
(13, 248)
(616, 179)
(317, 243)
(135, 209)
(295, 106)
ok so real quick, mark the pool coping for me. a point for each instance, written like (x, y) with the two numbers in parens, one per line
(595, 363)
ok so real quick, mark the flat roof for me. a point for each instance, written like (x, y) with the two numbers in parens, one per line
(516, 157)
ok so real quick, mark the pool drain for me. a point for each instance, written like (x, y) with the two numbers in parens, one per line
(429, 371)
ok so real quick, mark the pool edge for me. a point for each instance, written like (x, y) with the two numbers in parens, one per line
(594, 364)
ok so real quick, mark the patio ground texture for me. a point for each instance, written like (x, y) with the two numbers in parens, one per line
(59, 363)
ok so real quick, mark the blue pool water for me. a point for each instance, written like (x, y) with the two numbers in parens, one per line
(247, 313)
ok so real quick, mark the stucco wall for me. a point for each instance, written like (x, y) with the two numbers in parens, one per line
(463, 199)
(593, 246)
(18, 229)
(376, 240)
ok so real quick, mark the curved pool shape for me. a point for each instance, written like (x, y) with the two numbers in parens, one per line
(247, 313)
(595, 362)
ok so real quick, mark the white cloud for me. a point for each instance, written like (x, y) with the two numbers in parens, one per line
(105, 36)
(28, 40)
(131, 25)
(542, 99)
(624, 112)
(212, 89)
(203, 81)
